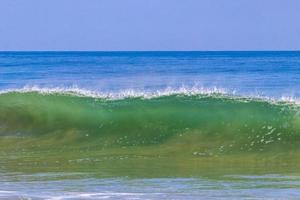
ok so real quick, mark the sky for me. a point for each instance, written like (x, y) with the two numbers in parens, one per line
(149, 25)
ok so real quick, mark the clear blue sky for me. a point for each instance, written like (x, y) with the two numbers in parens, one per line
(150, 25)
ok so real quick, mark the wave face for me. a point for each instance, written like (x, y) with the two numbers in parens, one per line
(203, 124)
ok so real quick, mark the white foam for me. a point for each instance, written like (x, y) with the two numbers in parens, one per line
(136, 93)
(118, 94)
(6, 192)
(97, 195)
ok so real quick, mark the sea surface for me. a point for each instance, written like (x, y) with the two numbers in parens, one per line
(150, 125)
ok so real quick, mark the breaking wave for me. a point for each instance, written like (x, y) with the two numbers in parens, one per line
(207, 120)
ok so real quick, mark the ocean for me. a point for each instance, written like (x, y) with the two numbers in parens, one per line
(149, 125)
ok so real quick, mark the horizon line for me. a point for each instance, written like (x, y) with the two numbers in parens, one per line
(137, 51)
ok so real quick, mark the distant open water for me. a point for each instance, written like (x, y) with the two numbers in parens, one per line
(273, 74)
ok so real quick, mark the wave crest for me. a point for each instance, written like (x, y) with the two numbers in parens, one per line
(128, 93)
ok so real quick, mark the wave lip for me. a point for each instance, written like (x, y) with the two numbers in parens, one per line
(128, 93)
(148, 94)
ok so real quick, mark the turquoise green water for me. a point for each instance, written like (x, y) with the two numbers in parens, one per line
(196, 135)
(78, 145)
